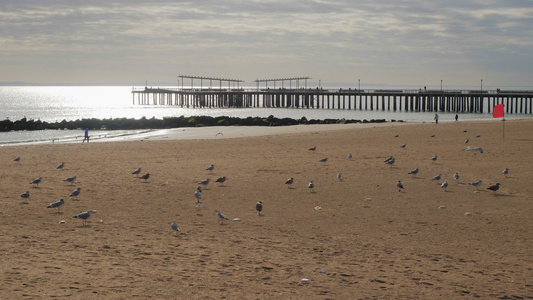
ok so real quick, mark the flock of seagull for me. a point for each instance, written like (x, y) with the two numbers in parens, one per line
(58, 204)
(259, 205)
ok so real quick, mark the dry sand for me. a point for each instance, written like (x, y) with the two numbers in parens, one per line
(399, 245)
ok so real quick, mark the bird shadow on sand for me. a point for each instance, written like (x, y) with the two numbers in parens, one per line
(24, 203)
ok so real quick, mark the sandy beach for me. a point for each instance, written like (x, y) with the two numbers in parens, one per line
(354, 238)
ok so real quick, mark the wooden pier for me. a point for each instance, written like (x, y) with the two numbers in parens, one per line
(459, 101)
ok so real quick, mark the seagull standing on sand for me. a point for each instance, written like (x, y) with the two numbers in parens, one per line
(138, 171)
(414, 172)
(145, 176)
(60, 166)
(325, 159)
(204, 182)
(476, 183)
(437, 177)
(221, 216)
(210, 168)
(311, 186)
(259, 207)
(75, 193)
(339, 176)
(198, 194)
(198, 207)
(390, 161)
(505, 172)
(403, 146)
(399, 184)
(36, 181)
(221, 180)
(70, 179)
(174, 226)
(434, 158)
(444, 185)
(312, 148)
(84, 216)
(466, 141)
(17, 158)
(26, 194)
(494, 187)
(289, 182)
(456, 176)
(57, 205)
(349, 156)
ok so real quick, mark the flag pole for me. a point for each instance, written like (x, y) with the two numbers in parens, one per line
(503, 120)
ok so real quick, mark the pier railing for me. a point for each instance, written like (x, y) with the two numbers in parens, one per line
(460, 101)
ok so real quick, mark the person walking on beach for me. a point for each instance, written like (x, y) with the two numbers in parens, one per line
(456, 117)
(436, 118)
(86, 135)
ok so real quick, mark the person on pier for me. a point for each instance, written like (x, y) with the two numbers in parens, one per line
(436, 118)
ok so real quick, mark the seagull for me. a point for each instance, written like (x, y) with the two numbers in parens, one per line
(145, 176)
(198, 207)
(25, 194)
(60, 166)
(456, 176)
(259, 207)
(36, 181)
(17, 158)
(198, 194)
(312, 148)
(325, 159)
(403, 145)
(390, 161)
(84, 216)
(444, 185)
(476, 183)
(339, 176)
(204, 182)
(414, 172)
(399, 184)
(437, 177)
(75, 193)
(57, 204)
(136, 171)
(479, 135)
(221, 216)
(174, 226)
(434, 158)
(475, 148)
(494, 187)
(221, 180)
(466, 141)
(289, 182)
(349, 156)
(505, 172)
(210, 168)
(311, 186)
(396, 136)
(432, 135)
(70, 179)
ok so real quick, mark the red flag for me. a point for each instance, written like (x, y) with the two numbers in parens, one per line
(497, 111)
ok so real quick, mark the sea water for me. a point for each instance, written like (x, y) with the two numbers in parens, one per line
(57, 103)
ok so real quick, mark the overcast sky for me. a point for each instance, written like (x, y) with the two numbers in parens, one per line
(405, 42)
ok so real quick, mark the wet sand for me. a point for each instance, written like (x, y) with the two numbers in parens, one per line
(355, 238)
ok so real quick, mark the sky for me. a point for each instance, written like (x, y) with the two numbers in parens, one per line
(394, 42)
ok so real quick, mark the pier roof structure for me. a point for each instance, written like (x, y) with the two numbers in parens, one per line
(297, 79)
(202, 78)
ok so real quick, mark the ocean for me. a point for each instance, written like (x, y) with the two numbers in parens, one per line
(57, 103)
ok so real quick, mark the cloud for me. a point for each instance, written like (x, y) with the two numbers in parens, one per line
(244, 39)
